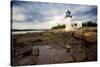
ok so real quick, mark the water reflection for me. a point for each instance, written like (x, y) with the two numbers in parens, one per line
(50, 55)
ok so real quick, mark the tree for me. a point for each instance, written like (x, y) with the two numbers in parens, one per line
(89, 24)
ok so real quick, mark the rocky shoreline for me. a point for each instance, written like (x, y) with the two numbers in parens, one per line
(80, 46)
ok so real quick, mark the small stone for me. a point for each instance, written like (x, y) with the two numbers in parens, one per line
(35, 51)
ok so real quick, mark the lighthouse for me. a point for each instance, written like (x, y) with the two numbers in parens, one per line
(68, 21)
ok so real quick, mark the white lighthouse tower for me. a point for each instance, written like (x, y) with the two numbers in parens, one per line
(68, 21)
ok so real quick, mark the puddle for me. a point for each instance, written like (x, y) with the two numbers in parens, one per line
(50, 55)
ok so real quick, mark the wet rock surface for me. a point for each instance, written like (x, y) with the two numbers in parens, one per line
(50, 47)
(24, 55)
(89, 38)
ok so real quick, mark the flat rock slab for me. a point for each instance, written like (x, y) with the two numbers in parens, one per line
(23, 50)
(28, 60)
(49, 55)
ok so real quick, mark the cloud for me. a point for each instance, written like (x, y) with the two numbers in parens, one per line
(45, 15)
(44, 25)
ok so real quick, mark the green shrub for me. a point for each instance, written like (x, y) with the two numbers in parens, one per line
(59, 27)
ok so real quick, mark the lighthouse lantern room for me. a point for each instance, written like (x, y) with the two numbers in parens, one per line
(68, 21)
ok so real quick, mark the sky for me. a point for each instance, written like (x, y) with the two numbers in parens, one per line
(43, 15)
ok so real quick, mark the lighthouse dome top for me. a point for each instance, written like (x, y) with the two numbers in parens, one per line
(68, 14)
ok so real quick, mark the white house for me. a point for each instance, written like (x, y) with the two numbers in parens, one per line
(71, 25)
(77, 23)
